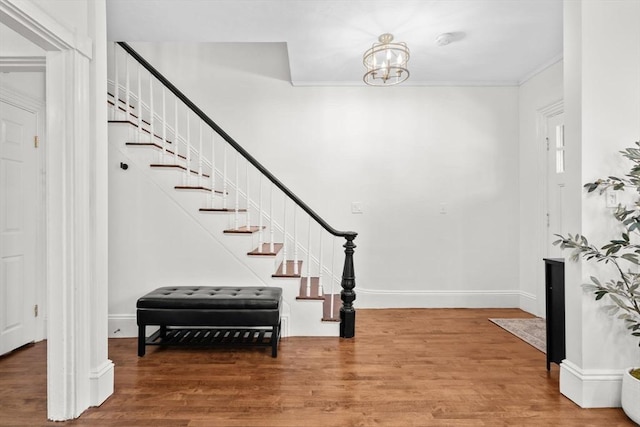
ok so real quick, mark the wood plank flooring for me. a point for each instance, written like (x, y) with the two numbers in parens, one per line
(405, 367)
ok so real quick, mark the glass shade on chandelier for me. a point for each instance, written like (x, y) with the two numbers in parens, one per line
(386, 62)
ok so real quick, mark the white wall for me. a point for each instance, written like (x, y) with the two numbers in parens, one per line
(406, 153)
(537, 93)
(31, 83)
(602, 93)
(13, 44)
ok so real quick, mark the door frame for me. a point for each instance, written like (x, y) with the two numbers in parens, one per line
(542, 116)
(13, 96)
(79, 374)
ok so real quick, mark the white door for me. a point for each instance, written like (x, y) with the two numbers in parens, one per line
(18, 205)
(556, 193)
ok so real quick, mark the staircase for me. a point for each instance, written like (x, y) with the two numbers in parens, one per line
(223, 181)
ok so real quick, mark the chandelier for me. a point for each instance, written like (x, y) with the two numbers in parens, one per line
(386, 62)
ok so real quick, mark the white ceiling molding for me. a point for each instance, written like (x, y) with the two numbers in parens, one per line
(31, 22)
(541, 68)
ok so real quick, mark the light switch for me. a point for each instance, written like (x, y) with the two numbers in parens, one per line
(356, 207)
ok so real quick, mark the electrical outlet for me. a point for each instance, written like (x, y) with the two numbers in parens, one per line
(443, 208)
(356, 207)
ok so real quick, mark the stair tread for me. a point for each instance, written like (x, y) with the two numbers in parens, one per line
(327, 316)
(168, 165)
(195, 187)
(289, 273)
(132, 123)
(266, 250)
(313, 294)
(243, 230)
(223, 210)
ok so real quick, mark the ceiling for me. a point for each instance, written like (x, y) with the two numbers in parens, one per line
(495, 42)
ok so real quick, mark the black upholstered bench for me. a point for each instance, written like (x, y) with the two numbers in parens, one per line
(211, 316)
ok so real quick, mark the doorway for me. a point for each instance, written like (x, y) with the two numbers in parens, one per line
(555, 183)
(18, 225)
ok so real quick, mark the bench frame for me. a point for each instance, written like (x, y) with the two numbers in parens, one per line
(210, 337)
(186, 325)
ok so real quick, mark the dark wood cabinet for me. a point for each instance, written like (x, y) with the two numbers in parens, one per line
(554, 285)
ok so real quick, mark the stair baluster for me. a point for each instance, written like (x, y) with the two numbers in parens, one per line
(272, 229)
(187, 171)
(309, 257)
(295, 241)
(213, 171)
(151, 115)
(200, 153)
(333, 264)
(284, 239)
(127, 88)
(164, 126)
(260, 228)
(236, 219)
(176, 140)
(248, 225)
(116, 84)
(320, 264)
(139, 105)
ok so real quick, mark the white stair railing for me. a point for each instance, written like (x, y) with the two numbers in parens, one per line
(281, 218)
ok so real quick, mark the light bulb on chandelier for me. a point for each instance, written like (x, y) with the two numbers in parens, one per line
(386, 62)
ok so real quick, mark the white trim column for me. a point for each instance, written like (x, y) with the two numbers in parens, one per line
(602, 117)
(101, 371)
(69, 275)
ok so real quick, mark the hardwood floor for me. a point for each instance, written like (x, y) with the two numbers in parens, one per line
(408, 367)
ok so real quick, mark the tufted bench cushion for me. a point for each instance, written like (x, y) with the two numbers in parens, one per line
(209, 306)
(228, 298)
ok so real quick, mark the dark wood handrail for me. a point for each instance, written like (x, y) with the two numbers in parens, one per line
(182, 97)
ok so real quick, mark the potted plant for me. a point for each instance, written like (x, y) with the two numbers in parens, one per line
(622, 252)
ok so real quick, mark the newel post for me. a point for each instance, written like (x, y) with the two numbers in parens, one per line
(347, 312)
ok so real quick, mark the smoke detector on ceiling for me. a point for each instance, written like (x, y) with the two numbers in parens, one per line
(444, 39)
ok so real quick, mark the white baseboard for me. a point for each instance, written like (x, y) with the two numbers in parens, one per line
(529, 303)
(590, 388)
(367, 298)
(101, 383)
(125, 326)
